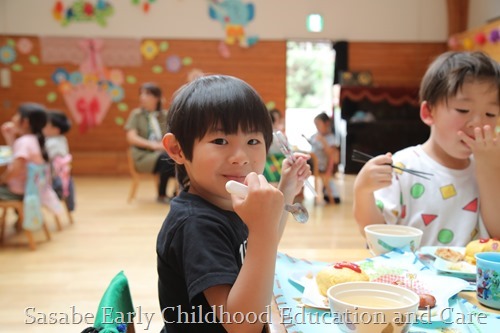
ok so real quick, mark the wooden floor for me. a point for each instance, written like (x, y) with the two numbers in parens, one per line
(68, 275)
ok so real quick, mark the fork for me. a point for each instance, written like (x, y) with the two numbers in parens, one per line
(359, 156)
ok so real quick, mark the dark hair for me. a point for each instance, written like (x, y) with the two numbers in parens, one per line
(37, 119)
(449, 71)
(275, 114)
(215, 102)
(59, 120)
(323, 117)
(153, 89)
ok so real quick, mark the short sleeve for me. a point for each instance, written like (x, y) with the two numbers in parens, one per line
(132, 121)
(24, 147)
(207, 255)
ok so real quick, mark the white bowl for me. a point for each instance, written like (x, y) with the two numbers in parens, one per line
(372, 307)
(383, 238)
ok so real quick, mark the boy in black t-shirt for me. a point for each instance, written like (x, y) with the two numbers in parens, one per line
(217, 251)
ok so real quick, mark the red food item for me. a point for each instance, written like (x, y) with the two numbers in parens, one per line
(426, 301)
(350, 265)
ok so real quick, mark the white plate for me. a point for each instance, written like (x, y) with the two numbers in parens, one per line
(441, 287)
(461, 269)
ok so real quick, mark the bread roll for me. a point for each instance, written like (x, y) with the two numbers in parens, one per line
(339, 273)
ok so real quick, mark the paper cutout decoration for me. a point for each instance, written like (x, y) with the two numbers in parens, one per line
(173, 64)
(480, 38)
(17, 67)
(7, 54)
(51, 97)
(40, 82)
(24, 45)
(89, 92)
(145, 4)
(494, 35)
(34, 60)
(164, 46)
(131, 79)
(157, 69)
(83, 11)
(194, 74)
(149, 49)
(223, 50)
(234, 16)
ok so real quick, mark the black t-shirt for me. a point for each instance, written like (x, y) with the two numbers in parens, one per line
(199, 246)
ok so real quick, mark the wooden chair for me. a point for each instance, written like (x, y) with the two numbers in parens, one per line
(61, 166)
(136, 177)
(29, 209)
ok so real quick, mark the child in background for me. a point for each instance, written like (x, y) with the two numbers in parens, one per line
(460, 101)
(325, 146)
(216, 252)
(275, 157)
(57, 148)
(24, 134)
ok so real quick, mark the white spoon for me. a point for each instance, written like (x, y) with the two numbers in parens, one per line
(298, 211)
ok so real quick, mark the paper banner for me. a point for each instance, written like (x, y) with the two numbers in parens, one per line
(83, 11)
(119, 52)
(234, 15)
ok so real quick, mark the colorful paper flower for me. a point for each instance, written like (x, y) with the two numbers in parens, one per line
(116, 76)
(60, 75)
(7, 54)
(116, 93)
(494, 35)
(76, 78)
(174, 64)
(105, 85)
(24, 45)
(149, 49)
(480, 38)
(64, 87)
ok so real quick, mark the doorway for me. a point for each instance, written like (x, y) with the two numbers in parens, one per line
(309, 87)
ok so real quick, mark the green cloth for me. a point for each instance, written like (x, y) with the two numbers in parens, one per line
(272, 170)
(116, 306)
(144, 159)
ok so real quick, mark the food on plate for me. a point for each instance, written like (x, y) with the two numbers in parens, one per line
(449, 254)
(338, 273)
(480, 245)
(427, 301)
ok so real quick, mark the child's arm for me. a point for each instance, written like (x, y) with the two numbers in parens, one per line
(486, 150)
(375, 174)
(9, 132)
(261, 211)
(293, 176)
(15, 169)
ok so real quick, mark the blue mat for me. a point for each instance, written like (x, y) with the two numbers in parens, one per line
(297, 318)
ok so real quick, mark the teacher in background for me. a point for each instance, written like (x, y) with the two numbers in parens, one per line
(145, 128)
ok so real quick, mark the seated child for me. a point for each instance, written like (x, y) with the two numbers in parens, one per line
(57, 148)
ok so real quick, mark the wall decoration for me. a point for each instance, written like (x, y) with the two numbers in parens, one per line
(173, 63)
(89, 91)
(119, 52)
(149, 49)
(145, 4)
(82, 11)
(234, 16)
(7, 54)
(24, 45)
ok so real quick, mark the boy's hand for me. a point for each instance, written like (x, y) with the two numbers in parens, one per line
(375, 174)
(262, 208)
(485, 147)
(294, 174)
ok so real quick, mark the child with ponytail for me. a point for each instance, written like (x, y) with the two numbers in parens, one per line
(24, 134)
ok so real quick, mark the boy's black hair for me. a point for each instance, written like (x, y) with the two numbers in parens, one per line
(60, 120)
(449, 71)
(37, 119)
(215, 102)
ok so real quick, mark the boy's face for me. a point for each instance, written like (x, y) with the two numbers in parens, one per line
(475, 105)
(147, 100)
(218, 158)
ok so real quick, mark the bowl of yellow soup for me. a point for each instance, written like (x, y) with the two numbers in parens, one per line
(371, 307)
(383, 238)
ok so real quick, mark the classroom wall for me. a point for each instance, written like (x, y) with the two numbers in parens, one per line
(354, 20)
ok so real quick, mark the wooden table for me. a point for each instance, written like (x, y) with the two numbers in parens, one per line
(329, 255)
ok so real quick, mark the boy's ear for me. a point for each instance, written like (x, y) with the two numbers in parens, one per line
(426, 114)
(173, 148)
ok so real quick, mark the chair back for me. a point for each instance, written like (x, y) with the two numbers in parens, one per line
(61, 167)
(115, 312)
(32, 201)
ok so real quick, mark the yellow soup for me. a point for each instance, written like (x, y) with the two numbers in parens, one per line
(371, 301)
